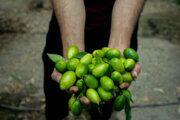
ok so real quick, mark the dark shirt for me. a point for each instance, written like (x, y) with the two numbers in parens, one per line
(98, 12)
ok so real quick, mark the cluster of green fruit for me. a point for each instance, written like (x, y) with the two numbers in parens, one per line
(97, 75)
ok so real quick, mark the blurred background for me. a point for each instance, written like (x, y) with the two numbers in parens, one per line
(23, 28)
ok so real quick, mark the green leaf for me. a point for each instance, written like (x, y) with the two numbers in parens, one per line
(82, 92)
(98, 108)
(80, 55)
(128, 98)
(128, 110)
(55, 57)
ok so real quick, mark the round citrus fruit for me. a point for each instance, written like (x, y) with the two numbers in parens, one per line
(67, 80)
(131, 53)
(72, 64)
(61, 66)
(72, 51)
(113, 53)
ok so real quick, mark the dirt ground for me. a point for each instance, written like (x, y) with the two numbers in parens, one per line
(23, 28)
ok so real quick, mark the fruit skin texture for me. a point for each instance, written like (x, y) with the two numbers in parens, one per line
(91, 67)
(86, 59)
(72, 51)
(123, 59)
(126, 92)
(92, 95)
(81, 69)
(106, 83)
(117, 77)
(129, 64)
(76, 108)
(105, 95)
(117, 65)
(98, 53)
(67, 80)
(61, 66)
(91, 81)
(100, 69)
(72, 64)
(119, 103)
(127, 77)
(105, 49)
(71, 101)
(113, 53)
(80, 85)
(131, 53)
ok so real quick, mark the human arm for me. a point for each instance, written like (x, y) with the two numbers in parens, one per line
(70, 15)
(125, 15)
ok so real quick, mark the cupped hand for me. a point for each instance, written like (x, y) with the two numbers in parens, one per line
(56, 76)
(134, 72)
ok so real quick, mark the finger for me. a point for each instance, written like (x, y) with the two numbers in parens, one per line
(56, 75)
(124, 85)
(85, 100)
(73, 89)
(136, 70)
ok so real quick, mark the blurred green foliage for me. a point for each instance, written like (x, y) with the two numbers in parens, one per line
(177, 1)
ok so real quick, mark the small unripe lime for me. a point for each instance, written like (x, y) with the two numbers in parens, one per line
(61, 66)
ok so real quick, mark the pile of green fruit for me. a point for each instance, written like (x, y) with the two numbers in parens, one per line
(97, 76)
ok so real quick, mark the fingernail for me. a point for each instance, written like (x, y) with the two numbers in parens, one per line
(58, 78)
(135, 74)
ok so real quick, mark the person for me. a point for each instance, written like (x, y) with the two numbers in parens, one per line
(90, 25)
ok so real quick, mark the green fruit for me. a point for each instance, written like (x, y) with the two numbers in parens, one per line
(91, 81)
(113, 53)
(127, 77)
(119, 103)
(72, 51)
(81, 70)
(61, 66)
(104, 95)
(80, 85)
(105, 49)
(123, 59)
(131, 53)
(106, 83)
(92, 95)
(72, 64)
(71, 101)
(100, 69)
(91, 67)
(117, 65)
(129, 64)
(67, 80)
(117, 77)
(97, 60)
(126, 92)
(76, 108)
(86, 59)
(98, 53)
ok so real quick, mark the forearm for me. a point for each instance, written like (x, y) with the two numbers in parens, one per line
(70, 15)
(124, 18)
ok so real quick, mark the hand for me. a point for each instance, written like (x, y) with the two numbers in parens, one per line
(56, 76)
(134, 72)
